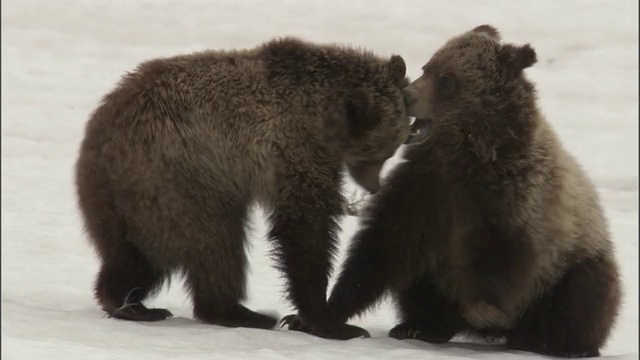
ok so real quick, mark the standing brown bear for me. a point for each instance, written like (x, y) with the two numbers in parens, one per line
(174, 157)
(490, 227)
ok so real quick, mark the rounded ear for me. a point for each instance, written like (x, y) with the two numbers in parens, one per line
(488, 30)
(517, 58)
(361, 113)
(397, 69)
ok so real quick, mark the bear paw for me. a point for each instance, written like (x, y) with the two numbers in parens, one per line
(414, 330)
(334, 331)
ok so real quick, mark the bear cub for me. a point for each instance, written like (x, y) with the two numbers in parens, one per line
(490, 227)
(176, 154)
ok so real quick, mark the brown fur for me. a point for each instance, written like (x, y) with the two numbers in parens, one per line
(175, 155)
(490, 227)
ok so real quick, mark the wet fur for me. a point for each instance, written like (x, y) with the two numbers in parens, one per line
(490, 227)
(176, 154)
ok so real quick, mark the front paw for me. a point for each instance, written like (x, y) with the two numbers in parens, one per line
(340, 332)
(413, 330)
(295, 323)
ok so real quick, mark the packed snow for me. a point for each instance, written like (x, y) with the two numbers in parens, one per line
(60, 57)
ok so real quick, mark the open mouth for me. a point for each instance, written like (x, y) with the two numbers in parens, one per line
(419, 131)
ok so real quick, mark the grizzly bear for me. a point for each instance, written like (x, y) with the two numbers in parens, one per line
(490, 227)
(175, 155)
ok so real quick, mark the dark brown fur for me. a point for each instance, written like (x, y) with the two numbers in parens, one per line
(175, 155)
(490, 227)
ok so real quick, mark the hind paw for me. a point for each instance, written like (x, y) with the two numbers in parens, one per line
(235, 316)
(335, 331)
(139, 312)
(295, 323)
(413, 330)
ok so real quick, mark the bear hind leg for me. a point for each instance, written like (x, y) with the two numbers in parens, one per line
(124, 281)
(575, 318)
(216, 275)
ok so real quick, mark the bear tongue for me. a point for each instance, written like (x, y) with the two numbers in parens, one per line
(419, 130)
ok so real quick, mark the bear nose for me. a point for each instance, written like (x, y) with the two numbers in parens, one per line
(409, 99)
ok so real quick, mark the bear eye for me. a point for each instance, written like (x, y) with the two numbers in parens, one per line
(446, 84)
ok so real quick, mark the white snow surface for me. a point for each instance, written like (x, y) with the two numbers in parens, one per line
(60, 57)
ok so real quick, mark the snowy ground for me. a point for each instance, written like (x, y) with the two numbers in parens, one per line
(59, 58)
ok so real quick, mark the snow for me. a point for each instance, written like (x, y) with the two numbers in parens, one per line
(60, 57)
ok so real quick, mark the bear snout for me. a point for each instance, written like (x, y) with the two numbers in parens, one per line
(409, 98)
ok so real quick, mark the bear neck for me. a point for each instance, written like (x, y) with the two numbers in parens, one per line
(325, 69)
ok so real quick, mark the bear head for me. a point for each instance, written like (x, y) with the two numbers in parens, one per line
(377, 123)
(473, 92)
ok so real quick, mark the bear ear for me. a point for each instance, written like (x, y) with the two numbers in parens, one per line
(518, 58)
(397, 69)
(489, 30)
(361, 113)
